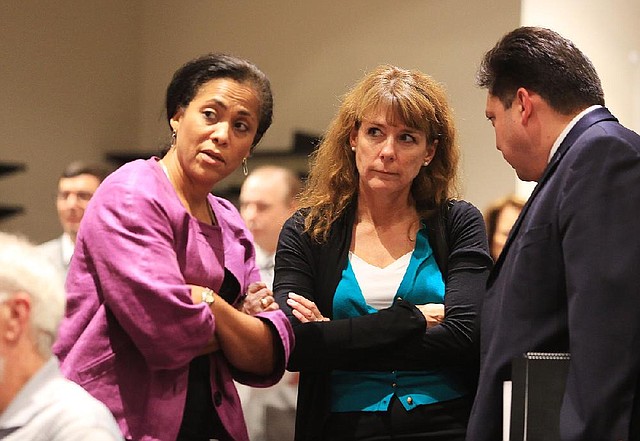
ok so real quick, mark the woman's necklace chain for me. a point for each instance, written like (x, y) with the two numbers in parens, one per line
(412, 237)
(212, 217)
(214, 222)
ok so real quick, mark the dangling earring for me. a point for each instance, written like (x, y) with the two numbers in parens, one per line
(245, 167)
(174, 136)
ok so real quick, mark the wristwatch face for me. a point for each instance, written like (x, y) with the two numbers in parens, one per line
(207, 297)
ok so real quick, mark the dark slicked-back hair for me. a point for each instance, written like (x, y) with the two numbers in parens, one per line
(77, 168)
(189, 78)
(542, 61)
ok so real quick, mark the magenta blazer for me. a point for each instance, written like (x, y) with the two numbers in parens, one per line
(131, 329)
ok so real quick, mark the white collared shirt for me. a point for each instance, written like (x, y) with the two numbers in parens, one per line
(59, 251)
(67, 248)
(266, 263)
(51, 408)
(568, 128)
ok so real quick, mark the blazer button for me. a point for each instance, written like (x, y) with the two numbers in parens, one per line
(217, 398)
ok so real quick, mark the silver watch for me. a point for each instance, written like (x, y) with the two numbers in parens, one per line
(208, 297)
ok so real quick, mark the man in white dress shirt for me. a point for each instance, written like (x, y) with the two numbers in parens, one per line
(76, 185)
(267, 200)
(36, 401)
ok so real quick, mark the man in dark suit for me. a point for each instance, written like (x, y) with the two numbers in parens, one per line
(567, 279)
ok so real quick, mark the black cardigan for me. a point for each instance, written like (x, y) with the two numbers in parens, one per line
(395, 338)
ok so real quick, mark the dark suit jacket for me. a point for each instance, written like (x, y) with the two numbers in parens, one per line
(568, 280)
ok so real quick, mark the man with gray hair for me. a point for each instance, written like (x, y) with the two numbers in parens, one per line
(36, 401)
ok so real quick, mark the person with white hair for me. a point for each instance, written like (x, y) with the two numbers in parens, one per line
(36, 401)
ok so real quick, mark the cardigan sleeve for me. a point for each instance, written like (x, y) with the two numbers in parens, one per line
(395, 337)
(456, 339)
(303, 267)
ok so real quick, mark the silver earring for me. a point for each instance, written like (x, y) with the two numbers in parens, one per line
(174, 136)
(245, 167)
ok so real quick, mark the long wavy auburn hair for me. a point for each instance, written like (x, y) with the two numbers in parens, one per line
(409, 97)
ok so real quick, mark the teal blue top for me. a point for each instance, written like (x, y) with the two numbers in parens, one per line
(372, 391)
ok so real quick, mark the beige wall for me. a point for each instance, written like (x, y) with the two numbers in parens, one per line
(607, 32)
(69, 81)
(86, 77)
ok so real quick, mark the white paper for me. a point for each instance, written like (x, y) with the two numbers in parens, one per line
(506, 409)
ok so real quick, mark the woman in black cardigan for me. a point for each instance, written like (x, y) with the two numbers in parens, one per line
(381, 273)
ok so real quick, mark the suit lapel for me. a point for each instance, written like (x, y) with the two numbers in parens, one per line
(591, 118)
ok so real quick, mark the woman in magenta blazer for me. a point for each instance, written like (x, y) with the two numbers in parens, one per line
(153, 326)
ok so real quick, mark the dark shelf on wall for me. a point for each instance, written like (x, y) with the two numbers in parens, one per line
(6, 211)
(7, 168)
(118, 158)
(296, 158)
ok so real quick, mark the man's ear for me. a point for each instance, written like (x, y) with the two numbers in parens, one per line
(15, 315)
(524, 102)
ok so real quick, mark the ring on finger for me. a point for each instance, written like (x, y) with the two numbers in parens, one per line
(263, 302)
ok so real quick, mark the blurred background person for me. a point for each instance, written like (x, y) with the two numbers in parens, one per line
(77, 184)
(36, 401)
(267, 199)
(500, 217)
(381, 273)
(153, 326)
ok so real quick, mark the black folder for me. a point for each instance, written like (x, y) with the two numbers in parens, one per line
(538, 381)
